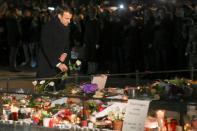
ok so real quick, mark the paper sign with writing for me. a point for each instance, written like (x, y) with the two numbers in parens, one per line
(100, 80)
(135, 116)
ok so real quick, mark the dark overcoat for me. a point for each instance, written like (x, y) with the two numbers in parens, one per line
(54, 42)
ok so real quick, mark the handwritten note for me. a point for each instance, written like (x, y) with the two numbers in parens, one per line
(100, 80)
(135, 116)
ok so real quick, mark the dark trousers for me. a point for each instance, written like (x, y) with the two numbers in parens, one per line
(12, 57)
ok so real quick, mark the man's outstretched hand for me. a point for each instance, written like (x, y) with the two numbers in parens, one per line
(63, 67)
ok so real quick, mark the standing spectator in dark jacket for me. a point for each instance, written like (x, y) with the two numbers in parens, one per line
(3, 42)
(191, 49)
(179, 39)
(162, 40)
(116, 41)
(35, 38)
(147, 39)
(132, 46)
(55, 45)
(13, 36)
(91, 39)
(26, 22)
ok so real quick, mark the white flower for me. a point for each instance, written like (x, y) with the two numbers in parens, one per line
(20, 91)
(22, 101)
(42, 82)
(116, 114)
(34, 83)
(78, 62)
(51, 83)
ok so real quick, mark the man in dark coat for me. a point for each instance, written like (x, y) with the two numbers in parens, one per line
(54, 44)
(13, 36)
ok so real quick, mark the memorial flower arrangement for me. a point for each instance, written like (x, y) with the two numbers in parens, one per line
(6, 99)
(38, 116)
(117, 117)
(117, 114)
(71, 89)
(89, 88)
(65, 114)
(170, 89)
(40, 102)
(42, 85)
(92, 106)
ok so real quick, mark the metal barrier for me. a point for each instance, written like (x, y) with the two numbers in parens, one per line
(134, 79)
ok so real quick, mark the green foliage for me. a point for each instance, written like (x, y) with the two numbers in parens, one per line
(92, 105)
(179, 82)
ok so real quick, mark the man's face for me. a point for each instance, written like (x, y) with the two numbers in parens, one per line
(65, 18)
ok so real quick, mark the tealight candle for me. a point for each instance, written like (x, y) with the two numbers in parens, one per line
(125, 98)
(46, 122)
(160, 114)
(90, 125)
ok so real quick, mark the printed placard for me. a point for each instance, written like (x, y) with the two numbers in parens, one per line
(135, 116)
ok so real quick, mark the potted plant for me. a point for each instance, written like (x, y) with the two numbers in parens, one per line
(116, 116)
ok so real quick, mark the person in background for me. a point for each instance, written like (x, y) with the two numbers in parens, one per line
(26, 21)
(13, 35)
(179, 38)
(3, 43)
(54, 50)
(91, 40)
(191, 49)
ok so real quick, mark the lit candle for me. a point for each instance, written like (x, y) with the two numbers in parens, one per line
(90, 125)
(125, 97)
(160, 114)
(46, 122)
(108, 122)
(56, 120)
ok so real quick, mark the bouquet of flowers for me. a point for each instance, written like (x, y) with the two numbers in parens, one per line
(41, 86)
(72, 66)
(116, 115)
(171, 89)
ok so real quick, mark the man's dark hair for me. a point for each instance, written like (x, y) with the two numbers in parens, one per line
(64, 8)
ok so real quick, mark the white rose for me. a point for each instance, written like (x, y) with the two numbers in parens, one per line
(34, 83)
(42, 82)
(22, 101)
(78, 62)
(51, 83)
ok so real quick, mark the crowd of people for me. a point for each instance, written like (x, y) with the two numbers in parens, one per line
(110, 40)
